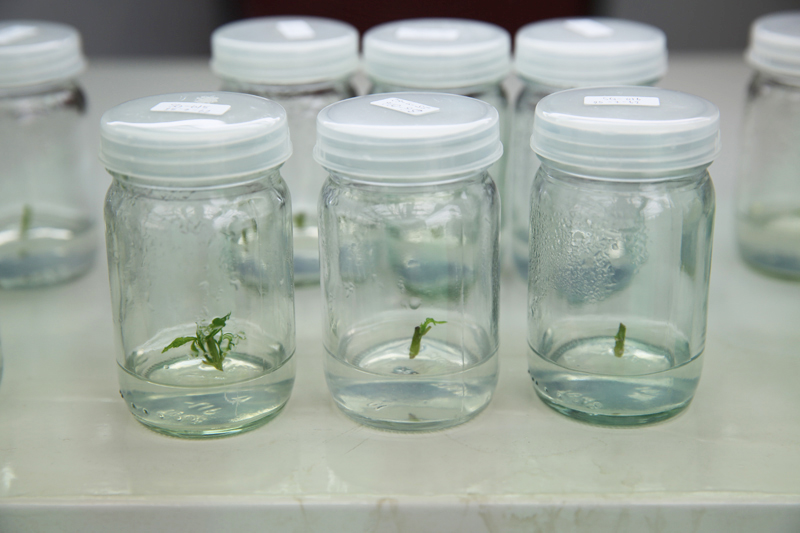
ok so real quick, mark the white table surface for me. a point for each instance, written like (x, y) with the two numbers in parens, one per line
(73, 459)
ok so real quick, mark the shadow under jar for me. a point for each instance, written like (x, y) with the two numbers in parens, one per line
(558, 54)
(768, 195)
(304, 64)
(46, 233)
(409, 221)
(198, 230)
(622, 213)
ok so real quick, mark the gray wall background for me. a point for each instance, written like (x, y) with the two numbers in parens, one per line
(183, 27)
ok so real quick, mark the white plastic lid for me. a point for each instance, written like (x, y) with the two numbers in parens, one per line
(775, 43)
(626, 130)
(437, 53)
(284, 50)
(196, 136)
(34, 52)
(589, 52)
(408, 136)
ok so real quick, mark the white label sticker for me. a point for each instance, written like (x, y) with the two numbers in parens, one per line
(295, 30)
(405, 106)
(588, 28)
(648, 101)
(16, 33)
(191, 107)
(410, 33)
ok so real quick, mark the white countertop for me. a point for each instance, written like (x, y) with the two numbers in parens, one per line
(72, 458)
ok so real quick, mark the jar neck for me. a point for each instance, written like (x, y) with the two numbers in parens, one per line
(542, 89)
(284, 90)
(39, 89)
(471, 90)
(255, 180)
(409, 182)
(602, 177)
(762, 78)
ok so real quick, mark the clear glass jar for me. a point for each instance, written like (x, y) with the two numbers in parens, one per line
(456, 56)
(409, 221)
(622, 213)
(199, 237)
(304, 64)
(768, 195)
(559, 54)
(46, 232)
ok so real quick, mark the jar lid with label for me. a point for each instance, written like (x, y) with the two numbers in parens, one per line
(580, 52)
(437, 53)
(194, 137)
(626, 131)
(408, 136)
(284, 50)
(33, 52)
(775, 44)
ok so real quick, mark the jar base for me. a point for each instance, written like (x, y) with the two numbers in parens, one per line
(410, 426)
(211, 433)
(613, 420)
(787, 268)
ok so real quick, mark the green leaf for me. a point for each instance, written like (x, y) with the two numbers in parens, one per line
(214, 352)
(180, 341)
(25, 221)
(619, 345)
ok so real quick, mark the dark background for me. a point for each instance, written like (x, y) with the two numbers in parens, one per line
(183, 27)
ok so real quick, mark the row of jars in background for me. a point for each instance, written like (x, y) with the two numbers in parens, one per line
(306, 63)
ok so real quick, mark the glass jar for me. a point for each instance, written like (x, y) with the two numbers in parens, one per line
(304, 64)
(622, 214)
(456, 56)
(559, 54)
(409, 221)
(199, 237)
(768, 196)
(46, 232)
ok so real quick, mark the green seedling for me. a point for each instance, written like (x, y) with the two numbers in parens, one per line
(210, 341)
(25, 221)
(419, 331)
(300, 220)
(619, 345)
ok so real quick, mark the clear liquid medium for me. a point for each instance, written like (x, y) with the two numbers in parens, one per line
(771, 242)
(584, 379)
(440, 387)
(179, 395)
(45, 249)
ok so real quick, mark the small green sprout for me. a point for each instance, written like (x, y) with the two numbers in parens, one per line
(213, 348)
(300, 220)
(619, 345)
(25, 221)
(419, 331)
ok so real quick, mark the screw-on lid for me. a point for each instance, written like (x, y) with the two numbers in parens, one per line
(775, 43)
(284, 50)
(197, 136)
(408, 136)
(626, 130)
(590, 52)
(34, 52)
(437, 53)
